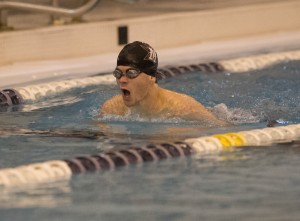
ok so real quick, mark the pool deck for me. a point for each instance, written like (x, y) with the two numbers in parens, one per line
(35, 53)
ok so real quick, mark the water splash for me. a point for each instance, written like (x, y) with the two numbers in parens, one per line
(236, 115)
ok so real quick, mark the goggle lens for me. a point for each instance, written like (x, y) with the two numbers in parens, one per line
(130, 73)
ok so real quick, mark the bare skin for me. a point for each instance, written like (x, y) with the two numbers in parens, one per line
(142, 96)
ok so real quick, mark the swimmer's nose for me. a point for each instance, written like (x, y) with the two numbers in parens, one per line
(123, 79)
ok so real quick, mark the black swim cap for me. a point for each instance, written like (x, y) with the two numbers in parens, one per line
(139, 55)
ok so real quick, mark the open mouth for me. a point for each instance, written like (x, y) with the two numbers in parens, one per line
(125, 92)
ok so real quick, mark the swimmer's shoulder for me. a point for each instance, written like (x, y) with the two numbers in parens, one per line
(179, 99)
(189, 108)
(114, 105)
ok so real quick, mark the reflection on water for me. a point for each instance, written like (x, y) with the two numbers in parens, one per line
(53, 194)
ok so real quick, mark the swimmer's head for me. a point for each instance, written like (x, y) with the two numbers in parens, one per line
(139, 55)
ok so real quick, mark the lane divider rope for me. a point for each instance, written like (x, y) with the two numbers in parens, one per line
(9, 97)
(258, 62)
(64, 169)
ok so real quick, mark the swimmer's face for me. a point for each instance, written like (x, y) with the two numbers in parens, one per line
(134, 90)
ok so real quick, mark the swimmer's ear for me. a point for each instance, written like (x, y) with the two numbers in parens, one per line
(153, 79)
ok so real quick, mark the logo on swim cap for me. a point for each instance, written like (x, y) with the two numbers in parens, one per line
(151, 54)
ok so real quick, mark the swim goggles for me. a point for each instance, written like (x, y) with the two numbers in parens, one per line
(130, 73)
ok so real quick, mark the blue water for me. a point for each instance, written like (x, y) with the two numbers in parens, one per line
(249, 184)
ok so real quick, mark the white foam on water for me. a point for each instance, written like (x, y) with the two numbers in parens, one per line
(235, 115)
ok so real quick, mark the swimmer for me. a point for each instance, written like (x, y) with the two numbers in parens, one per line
(141, 95)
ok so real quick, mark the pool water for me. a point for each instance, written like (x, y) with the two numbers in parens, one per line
(253, 183)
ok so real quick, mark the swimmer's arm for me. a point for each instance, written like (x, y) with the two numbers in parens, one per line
(207, 118)
(197, 112)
